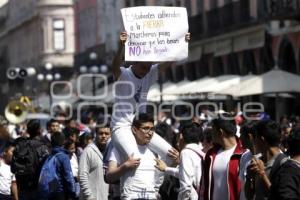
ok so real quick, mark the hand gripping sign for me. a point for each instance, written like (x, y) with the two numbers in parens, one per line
(155, 33)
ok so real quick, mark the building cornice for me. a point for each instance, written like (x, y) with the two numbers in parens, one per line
(228, 35)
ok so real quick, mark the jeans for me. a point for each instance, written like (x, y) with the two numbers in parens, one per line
(123, 139)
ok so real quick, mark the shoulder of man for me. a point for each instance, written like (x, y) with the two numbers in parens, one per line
(195, 149)
(278, 162)
(40, 145)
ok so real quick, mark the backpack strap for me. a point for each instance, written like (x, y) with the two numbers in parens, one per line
(199, 189)
(279, 160)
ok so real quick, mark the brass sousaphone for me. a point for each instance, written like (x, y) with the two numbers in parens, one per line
(17, 110)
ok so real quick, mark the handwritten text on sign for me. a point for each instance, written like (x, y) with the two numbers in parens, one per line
(155, 33)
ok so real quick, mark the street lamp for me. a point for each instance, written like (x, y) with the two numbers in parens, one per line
(50, 76)
(92, 69)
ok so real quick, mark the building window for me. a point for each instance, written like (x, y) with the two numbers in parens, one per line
(139, 2)
(178, 3)
(127, 3)
(199, 6)
(213, 4)
(169, 2)
(59, 34)
(227, 1)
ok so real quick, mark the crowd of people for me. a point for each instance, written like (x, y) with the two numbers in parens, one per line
(209, 160)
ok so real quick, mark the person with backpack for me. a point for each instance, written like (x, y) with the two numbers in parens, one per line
(267, 142)
(286, 184)
(170, 186)
(56, 180)
(189, 170)
(226, 162)
(190, 166)
(28, 158)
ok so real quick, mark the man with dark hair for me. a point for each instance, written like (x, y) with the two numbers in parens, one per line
(190, 166)
(65, 180)
(267, 142)
(91, 172)
(225, 163)
(138, 176)
(52, 127)
(28, 158)
(58, 140)
(8, 185)
(286, 184)
(34, 128)
(71, 133)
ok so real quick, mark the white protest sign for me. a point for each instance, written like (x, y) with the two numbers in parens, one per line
(155, 33)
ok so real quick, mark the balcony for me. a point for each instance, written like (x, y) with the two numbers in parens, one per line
(213, 20)
(283, 9)
(229, 17)
(226, 15)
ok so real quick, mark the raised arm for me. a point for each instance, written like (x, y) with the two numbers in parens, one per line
(118, 59)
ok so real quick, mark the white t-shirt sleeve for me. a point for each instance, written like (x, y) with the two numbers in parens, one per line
(123, 72)
(173, 171)
(244, 163)
(114, 156)
(154, 73)
(13, 177)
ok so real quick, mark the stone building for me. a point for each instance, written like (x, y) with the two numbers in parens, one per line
(33, 33)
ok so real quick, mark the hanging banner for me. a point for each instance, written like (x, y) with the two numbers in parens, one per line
(155, 33)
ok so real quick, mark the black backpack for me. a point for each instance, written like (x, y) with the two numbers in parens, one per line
(28, 158)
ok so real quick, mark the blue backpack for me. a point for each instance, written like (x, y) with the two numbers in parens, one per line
(48, 181)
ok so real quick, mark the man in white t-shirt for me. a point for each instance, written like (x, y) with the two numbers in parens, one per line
(131, 89)
(225, 163)
(139, 179)
(8, 185)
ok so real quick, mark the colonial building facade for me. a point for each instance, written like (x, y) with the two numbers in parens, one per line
(228, 37)
(33, 33)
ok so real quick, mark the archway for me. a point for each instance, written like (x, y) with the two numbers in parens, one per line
(266, 59)
(203, 68)
(218, 68)
(286, 56)
(233, 64)
(249, 65)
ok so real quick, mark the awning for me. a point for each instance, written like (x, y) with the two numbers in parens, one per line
(188, 87)
(192, 89)
(217, 84)
(273, 81)
(234, 88)
(205, 85)
(154, 94)
(170, 88)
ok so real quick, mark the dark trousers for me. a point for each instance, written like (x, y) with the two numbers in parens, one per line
(58, 196)
(28, 195)
(5, 197)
